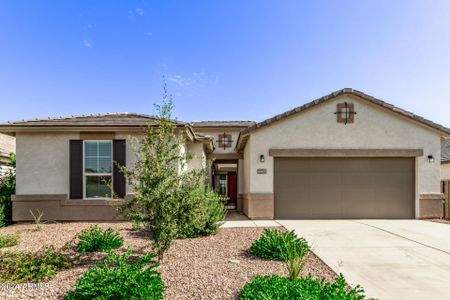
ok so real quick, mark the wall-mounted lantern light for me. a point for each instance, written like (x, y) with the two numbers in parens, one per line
(262, 158)
(430, 159)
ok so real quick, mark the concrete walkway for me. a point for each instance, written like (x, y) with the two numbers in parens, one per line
(391, 259)
(236, 219)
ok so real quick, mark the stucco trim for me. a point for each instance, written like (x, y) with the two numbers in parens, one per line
(58, 207)
(94, 202)
(431, 205)
(52, 197)
(346, 152)
(432, 196)
(97, 135)
(225, 156)
(258, 205)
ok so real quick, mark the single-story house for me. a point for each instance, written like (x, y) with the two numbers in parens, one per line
(345, 155)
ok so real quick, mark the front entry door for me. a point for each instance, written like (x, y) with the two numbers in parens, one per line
(232, 187)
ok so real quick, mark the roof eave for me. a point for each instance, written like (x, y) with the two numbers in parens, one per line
(445, 132)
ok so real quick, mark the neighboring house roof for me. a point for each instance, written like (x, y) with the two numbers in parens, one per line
(347, 91)
(222, 123)
(445, 151)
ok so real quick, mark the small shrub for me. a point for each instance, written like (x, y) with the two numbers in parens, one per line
(276, 287)
(118, 278)
(272, 242)
(136, 225)
(8, 240)
(7, 188)
(19, 266)
(293, 252)
(37, 218)
(202, 212)
(95, 239)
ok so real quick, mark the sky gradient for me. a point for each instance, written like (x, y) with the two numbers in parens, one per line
(222, 60)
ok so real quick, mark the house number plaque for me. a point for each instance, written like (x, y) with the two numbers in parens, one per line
(261, 171)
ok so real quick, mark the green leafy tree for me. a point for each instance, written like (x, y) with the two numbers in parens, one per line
(168, 200)
(7, 188)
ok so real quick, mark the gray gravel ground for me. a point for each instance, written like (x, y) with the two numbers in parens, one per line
(192, 269)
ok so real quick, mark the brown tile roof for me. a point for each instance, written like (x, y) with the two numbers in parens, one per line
(348, 91)
(222, 123)
(103, 120)
(99, 120)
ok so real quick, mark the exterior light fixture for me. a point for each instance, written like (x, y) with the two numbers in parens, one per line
(430, 159)
(262, 158)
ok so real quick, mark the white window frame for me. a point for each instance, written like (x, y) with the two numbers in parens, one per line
(98, 174)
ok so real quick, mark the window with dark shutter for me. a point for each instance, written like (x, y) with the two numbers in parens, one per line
(119, 158)
(345, 113)
(76, 169)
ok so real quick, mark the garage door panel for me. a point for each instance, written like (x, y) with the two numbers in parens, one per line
(355, 179)
(358, 203)
(322, 203)
(323, 188)
(293, 180)
(322, 178)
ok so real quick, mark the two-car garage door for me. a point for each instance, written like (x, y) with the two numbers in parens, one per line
(337, 188)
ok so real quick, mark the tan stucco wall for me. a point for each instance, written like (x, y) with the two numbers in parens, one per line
(317, 128)
(43, 163)
(43, 175)
(215, 135)
(445, 171)
(198, 160)
(240, 175)
(43, 160)
(248, 166)
(7, 143)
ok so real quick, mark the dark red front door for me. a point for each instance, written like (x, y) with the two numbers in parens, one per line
(232, 186)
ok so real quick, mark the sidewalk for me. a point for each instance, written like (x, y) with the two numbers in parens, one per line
(237, 219)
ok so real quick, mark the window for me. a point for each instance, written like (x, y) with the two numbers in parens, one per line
(345, 113)
(221, 184)
(98, 168)
(224, 141)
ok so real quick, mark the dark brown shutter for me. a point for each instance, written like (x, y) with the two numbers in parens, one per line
(76, 169)
(119, 154)
(351, 113)
(340, 112)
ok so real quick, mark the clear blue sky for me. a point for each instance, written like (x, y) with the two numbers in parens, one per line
(223, 60)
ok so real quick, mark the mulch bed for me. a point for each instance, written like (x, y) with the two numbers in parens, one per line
(192, 269)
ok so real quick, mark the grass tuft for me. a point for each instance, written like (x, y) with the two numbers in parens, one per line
(8, 240)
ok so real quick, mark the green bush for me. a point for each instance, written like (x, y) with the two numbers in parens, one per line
(8, 240)
(94, 239)
(276, 287)
(7, 188)
(273, 243)
(118, 278)
(202, 212)
(19, 266)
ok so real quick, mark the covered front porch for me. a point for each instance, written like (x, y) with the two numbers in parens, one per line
(224, 179)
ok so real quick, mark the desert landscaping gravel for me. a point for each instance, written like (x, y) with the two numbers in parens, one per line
(214, 267)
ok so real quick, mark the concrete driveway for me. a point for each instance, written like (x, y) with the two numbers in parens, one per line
(391, 259)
